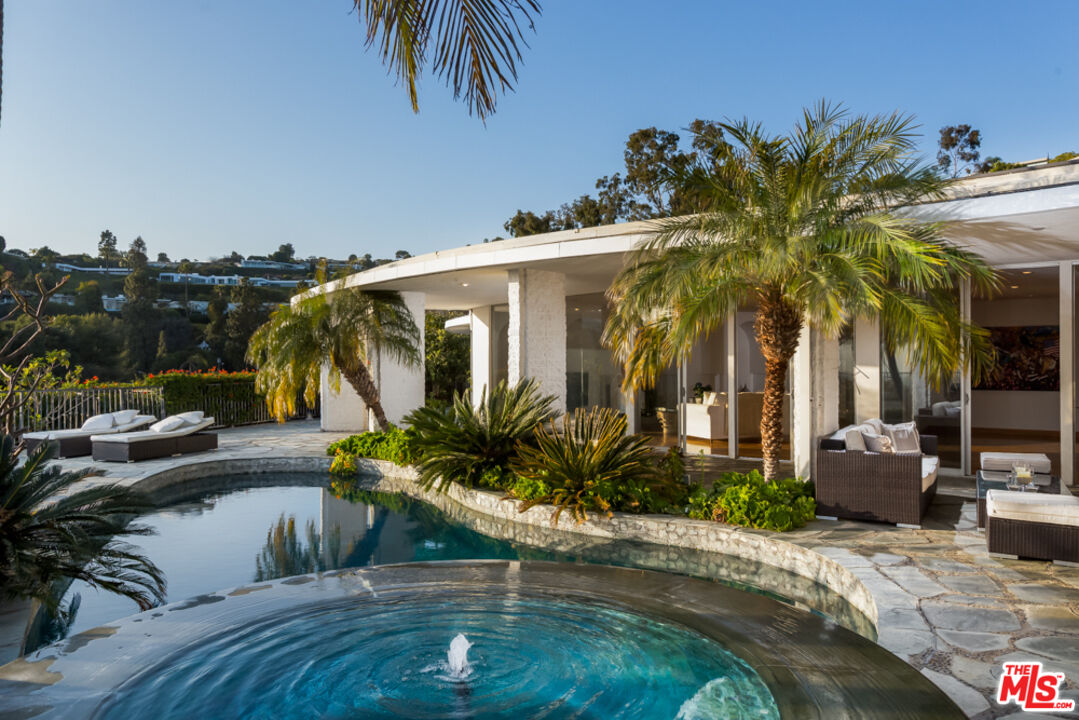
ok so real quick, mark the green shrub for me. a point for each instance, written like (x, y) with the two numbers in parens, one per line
(747, 499)
(395, 445)
(590, 464)
(475, 446)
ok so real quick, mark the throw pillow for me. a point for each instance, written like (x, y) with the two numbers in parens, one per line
(192, 418)
(168, 424)
(877, 425)
(853, 440)
(123, 417)
(98, 422)
(878, 443)
(905, 437)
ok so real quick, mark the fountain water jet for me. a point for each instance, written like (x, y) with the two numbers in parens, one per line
(457, 658)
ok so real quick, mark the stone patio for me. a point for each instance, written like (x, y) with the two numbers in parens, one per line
(943, 604)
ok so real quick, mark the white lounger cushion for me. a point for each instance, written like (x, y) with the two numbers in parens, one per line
(153, 434)
(1032, 507)
(98, 423)
(1038, 462)
(930, 464)
(139, 421)
(168, 424)
(123, 417)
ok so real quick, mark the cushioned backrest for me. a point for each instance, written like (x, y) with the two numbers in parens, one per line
(173, 422)
(193, 417)
(123, 417)
(98, 422)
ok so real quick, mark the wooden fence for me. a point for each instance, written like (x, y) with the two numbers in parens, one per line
(229, 403)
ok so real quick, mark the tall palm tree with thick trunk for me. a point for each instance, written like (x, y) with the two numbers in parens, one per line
(344, 329)
(805, 228)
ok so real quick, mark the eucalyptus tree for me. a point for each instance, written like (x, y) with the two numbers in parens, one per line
(804, 228)
(343, 329)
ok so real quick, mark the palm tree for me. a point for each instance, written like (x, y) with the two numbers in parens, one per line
(803, 227)
(50, 530)
(474, 45)
(344, 328)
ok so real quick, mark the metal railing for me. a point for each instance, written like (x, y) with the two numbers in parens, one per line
(70, 407)
(229, 403)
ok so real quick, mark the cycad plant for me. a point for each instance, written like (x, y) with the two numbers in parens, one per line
(51, 530)
(591, 464)
(474, 446)
(344, 329)
(804, 227)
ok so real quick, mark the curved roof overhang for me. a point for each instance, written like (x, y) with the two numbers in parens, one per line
(1023, 216)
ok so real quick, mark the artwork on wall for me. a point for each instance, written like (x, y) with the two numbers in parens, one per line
(1028, 358)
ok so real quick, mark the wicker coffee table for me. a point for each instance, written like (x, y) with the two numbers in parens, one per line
(998, 480)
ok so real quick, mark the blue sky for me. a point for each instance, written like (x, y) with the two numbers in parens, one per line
(222, 125)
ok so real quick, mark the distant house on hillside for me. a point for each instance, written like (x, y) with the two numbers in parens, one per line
(68, 267)
(271, 265)
(197, 279)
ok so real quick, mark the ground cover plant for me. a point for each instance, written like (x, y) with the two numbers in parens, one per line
(395, 445)
(749, 500)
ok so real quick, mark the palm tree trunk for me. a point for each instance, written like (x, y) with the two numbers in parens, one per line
(777, 327)
(359, 377)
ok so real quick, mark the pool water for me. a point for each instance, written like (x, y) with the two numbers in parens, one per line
(532, 656)
(224, 539)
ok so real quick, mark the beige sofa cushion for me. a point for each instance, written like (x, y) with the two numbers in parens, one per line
(930, 465)
(904, 437)
(1032, 507)
(1002, 461)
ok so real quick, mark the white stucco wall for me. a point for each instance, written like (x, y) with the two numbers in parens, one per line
(342, 411)
(402, 387)
(537, 330)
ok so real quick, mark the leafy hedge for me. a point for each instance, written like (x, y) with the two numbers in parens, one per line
(747, 499)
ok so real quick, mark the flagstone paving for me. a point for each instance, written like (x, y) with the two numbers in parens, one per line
(944, 605)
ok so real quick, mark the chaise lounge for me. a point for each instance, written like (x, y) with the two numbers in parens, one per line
(175, 435)
(76, 442)
(1032, 525)
(879, 472)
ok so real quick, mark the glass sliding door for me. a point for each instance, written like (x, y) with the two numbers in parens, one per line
(592, 380)
(1016, 408)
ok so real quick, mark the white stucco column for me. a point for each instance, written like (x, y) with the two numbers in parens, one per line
(866, 369)
(814, 396)
(402, 387)
(479, 322)
(537, 330)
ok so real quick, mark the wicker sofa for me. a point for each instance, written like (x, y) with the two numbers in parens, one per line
(859, 485)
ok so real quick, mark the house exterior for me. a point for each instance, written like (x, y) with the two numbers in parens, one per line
(535, 308)
(229, 280)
